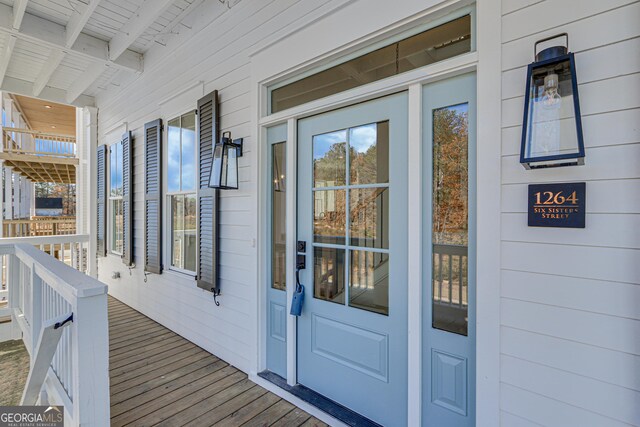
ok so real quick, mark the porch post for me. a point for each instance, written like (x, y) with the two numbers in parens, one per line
(90, 141)
(8, 193)
(15, 203)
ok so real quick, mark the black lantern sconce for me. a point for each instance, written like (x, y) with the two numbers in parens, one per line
(551, 128)
(224, 166)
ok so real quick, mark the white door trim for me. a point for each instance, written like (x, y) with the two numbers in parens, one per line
(414, 255)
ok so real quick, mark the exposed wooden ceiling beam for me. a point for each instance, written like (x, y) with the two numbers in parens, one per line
(78, 20)
(94, 71)
(53, 36)
(143, 18)
(19, 7)
(48, 68)
(73, 29)
(6, 56)
(23, 87)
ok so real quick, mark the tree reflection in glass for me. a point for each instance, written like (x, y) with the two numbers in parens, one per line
(450, 231)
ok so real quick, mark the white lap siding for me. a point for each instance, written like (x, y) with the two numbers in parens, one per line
(570, 318)
(214, 51)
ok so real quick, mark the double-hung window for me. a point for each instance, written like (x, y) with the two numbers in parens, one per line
(181, 191)
(116, 240)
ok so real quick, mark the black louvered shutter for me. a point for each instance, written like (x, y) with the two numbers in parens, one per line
(101, 168)
(152, 197)
(207, 276)
(127, 198)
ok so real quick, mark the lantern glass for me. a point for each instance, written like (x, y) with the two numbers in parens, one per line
(552, 133)
(224, 166)
(230, 165)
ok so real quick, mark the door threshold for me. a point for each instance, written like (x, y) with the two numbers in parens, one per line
(332, 408)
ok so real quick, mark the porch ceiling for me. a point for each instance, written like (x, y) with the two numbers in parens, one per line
(69, 51)
(47, 117)
(42, 168)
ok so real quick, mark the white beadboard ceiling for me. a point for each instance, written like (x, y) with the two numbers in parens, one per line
(51, 61)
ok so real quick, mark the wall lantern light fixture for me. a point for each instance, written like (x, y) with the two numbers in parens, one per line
(551, 127)
(224, 166)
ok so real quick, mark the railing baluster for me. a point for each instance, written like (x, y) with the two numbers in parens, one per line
(460, 280)
(450, 279)
(440, 275)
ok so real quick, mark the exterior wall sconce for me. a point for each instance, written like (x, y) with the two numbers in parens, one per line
(551, 127)
(224, 166)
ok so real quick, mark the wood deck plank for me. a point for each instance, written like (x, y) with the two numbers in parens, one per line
(151, 372)
(228, 407)
(125, 338)
(249, 410)
(294, 418)
(142, 356)
(144, 340)
(173, 405)
(163, 356)
(148, 391)
(314, 422)
(272, 414)
(133, 332)
(167, 353)
(149, 346)
(159, 378)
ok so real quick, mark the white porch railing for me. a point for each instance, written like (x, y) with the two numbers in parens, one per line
(71, 249)
(42, 288)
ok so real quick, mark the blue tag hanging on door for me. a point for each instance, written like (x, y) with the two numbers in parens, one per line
(298, 297)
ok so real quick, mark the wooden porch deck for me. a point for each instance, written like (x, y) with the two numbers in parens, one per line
(159, 378)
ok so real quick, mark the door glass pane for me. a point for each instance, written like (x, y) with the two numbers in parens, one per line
(278, 219)
(329, 212)
(369, 151)
(329, 159)
(369, 281)
(450, 234)
(369, 208)
(328, 271)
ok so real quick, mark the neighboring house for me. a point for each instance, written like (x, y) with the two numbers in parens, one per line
(381, 149)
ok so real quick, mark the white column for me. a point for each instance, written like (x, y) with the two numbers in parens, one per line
(89, 145)
(32, 200)
(81, 180)
(28, 186)
(8, 192)
(20, 197)
(16, 196)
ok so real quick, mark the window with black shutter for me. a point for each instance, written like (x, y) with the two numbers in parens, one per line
(208, 133)
(153, 197)
(127, 199)
(101, 167)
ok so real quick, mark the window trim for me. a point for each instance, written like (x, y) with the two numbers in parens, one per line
(166, 194)
(110, 242)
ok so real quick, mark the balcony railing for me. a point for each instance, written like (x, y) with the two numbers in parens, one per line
(39, 226)
(450, 275)
(37, 143)
(69, 360)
